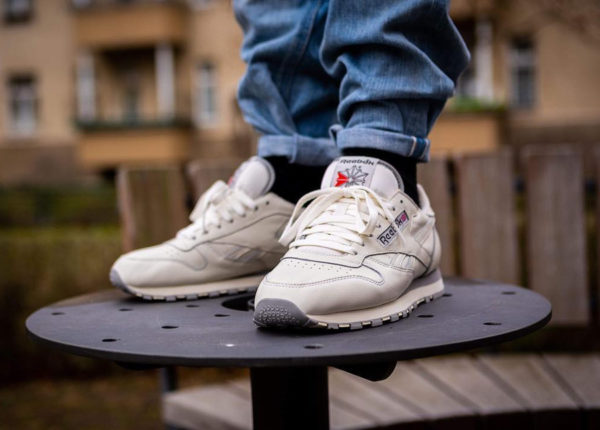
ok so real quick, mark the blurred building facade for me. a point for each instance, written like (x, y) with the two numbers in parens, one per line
(98, 83)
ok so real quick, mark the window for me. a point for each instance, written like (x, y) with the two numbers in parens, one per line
(81, 3)
(17, 10)
(131, 96)
(466, 86)
(522, 73)
(205, 99)
(22, 105)
(201, 4)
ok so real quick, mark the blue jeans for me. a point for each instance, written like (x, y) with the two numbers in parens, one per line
(329, 74)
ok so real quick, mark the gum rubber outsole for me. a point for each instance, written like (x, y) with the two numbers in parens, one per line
(116, 280)
(283, 314)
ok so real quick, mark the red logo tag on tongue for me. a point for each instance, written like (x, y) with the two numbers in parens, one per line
(341, 179)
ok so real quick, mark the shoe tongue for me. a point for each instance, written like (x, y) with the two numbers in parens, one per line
(369, 172)
(254, 177)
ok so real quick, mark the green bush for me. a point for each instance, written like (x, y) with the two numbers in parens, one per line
(39, 266)
(29, 206)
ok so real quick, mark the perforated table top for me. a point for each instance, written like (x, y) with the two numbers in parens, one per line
(220, 332)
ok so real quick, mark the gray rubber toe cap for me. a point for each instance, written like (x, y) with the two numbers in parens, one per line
(279, 313)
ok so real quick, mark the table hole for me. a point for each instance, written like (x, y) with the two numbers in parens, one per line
(313, 346)
(425, 316)
(169, 327)
(58, 313)
(492, 323)
(509, 293)
(239, 303)
(447, 295)
(125, 309)
(221, 315)
(192, 306)
(109, 339)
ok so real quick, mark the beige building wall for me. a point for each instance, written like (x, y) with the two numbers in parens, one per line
(43, 47)
(567, 75)
(216, 38)
(567, 68)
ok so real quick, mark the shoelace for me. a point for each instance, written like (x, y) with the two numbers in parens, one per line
(217, 204)
(336, 219)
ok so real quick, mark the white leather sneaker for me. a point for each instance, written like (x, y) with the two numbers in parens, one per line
(231, 243)
(361, 254)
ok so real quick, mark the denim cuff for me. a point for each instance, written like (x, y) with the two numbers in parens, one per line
(309, 151)
(398, 143)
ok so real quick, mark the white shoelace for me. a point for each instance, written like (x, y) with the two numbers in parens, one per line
(219, 203)
(336, 219)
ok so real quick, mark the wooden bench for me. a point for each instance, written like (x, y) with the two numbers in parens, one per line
(514, 219)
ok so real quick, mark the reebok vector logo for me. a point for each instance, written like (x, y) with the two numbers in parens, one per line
(351, 176)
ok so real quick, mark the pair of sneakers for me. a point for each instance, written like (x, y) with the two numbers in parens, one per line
(356, 253)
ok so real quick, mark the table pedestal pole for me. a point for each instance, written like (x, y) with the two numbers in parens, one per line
(290, 398)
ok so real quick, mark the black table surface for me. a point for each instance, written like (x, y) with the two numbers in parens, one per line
(220, 332)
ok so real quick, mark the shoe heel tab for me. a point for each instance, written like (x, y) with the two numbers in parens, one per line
(424, 200)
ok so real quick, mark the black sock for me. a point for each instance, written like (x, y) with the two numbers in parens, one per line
(406, 167)
(292, 181)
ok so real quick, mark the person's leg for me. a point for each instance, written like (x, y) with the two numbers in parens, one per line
(362, 254)
(286, 95)
(397, 63)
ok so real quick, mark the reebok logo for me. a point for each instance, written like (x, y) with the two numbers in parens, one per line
(401, 220)
(351, 176)
(356, 161)
(388, 236)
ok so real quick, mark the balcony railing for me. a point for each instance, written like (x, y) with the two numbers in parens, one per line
(92, 4)
(115, 124)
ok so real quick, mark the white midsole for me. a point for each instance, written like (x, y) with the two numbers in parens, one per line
(200, 289)
(401, 305)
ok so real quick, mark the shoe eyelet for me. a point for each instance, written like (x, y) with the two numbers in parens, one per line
(218, 226)
(371, 235)
(256, 208)
(194, 237)
(378, 225)
(267, 203)
(401, 201)
(394, 208)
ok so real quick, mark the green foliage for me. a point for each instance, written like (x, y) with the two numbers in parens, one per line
(39, 266)
(462, 104)
(28, 206)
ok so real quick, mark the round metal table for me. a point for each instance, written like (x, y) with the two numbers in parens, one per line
(288, 369)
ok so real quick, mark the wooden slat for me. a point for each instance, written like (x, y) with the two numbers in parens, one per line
(409, 384)
(343, 418)
(487, 221)
(581, 373)
(151, 205)
(435, 179)
(359, 396)
(527, 378)
(525, 375)
(220, 406)
(556, 245)
(463, 380)
(203, 173)
(596, 298)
